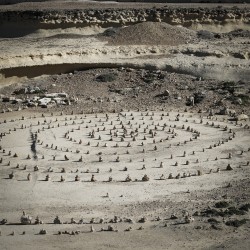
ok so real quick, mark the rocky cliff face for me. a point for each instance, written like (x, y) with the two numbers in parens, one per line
(187, 17)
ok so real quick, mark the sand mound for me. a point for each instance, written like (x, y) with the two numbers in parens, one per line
(150, 33)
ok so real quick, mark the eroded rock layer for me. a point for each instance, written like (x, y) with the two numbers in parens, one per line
(177, 16)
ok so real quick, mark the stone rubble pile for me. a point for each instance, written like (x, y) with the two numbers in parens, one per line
(43, 100)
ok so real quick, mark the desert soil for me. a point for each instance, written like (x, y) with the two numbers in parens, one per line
(166, 173)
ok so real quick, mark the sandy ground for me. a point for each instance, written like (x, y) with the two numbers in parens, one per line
(85, 200)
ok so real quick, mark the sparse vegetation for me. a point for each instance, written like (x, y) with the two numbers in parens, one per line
(109, 77)
(229, 86)
(227, 212)
(213, 220)
(236, 223)
(221, 204)
(245, 207)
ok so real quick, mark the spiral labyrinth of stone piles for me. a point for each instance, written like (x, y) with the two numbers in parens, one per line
(144, 146)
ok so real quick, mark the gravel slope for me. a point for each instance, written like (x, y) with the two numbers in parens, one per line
(152, 33)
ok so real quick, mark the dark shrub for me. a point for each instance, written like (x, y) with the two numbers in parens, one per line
(236, 223)
(245, 207)
(109, 77)
(221, 204)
